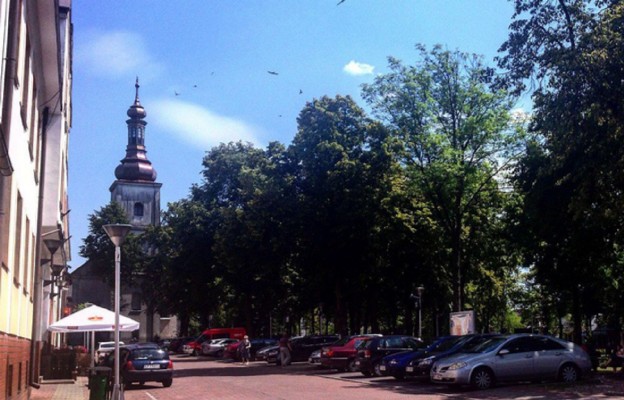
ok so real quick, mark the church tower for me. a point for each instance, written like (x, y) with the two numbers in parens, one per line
(136, 189)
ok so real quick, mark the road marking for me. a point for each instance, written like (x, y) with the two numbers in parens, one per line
(150, 396)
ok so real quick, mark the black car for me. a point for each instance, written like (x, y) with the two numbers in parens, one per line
(302, 348)
(145, 362)
(371, 351)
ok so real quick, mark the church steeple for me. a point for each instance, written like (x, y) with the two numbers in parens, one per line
(135, 166)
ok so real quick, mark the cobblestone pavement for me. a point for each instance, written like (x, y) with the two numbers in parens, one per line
(62, 391)
(201, 378)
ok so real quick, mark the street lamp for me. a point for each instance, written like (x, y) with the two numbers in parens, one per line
(420, 291)
(117, 233)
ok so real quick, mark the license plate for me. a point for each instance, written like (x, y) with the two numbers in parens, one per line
(436, 377)
(382, 367)
(151, 366)
(409, 369)
(357, 362)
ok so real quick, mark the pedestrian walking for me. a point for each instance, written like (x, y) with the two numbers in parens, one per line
(284, 349)
(245, 350)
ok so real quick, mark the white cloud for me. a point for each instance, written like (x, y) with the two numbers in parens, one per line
(115, 54)
(357, 68)
(520, 116)
(200, 126)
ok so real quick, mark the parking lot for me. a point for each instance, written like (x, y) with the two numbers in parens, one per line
(201, 377)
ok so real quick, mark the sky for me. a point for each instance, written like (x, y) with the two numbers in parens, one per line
(204, 73)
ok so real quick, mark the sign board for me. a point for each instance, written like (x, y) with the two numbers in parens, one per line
(462, 322)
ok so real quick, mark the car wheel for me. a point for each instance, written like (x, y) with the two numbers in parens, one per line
(482, 378)
(351, 366)
(195, 352)
(399, 377)
(167, 382)
(141, 383)
(377, 370)
(366, 373)
(569, 373)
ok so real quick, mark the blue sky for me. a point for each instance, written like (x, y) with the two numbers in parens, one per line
(216, 54)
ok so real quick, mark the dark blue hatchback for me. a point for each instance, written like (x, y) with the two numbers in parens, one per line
(395, 364)
(145, 363)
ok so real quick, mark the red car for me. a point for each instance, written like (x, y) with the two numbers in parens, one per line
(341, 355)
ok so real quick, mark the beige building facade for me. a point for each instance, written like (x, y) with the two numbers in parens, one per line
(35, 121)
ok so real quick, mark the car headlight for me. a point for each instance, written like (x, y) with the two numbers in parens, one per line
(426, 362)
(457, 365)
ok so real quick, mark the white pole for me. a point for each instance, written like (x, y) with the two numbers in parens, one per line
(117, 395)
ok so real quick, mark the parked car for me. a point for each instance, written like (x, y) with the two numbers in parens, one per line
(231, 350)
(104, 349)
(396, 364)
(194, 347)
(176, 344)
(315, 358)
(421, 367)
(341, 355)
(513, 358)
(262, 354)
(302, 347)
(371, 351)
(143, 362)
(216, 347)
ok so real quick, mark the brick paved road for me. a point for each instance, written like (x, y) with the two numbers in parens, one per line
(199, 378)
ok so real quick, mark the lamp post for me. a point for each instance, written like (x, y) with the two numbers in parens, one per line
(117, 234)
(420, 291)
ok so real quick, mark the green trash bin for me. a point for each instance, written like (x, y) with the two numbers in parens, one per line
(99, 378)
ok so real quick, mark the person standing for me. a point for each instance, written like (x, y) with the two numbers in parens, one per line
(284, 350)
(245, 350)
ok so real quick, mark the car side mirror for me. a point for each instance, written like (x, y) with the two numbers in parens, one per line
(503, 352)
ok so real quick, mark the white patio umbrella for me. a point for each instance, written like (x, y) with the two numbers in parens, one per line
(93, 319)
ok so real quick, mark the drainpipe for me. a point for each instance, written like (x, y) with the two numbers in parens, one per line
(35, 351)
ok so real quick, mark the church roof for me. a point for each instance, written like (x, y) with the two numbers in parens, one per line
(135, 166)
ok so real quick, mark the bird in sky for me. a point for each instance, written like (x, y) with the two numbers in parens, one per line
(300, 91)
(340, 2)
(273, 73)
(176, 93)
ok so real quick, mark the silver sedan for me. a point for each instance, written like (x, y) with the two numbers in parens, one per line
(516, 357)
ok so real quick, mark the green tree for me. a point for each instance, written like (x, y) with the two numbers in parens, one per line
(457, 142)
(100, 251)
(248, 191)
(343, 162)
(572, 53)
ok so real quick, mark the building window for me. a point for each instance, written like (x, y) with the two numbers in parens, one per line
(18, 240)
(26, 86)
(9, 381)
(138, 209)
(19, 377)
(27, 266)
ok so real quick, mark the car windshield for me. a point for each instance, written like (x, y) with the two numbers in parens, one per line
(488, 345)
(341, 342)
(444, 344)
(473, 342)
(148, 354)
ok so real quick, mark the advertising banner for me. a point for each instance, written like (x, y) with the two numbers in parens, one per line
(462, 322)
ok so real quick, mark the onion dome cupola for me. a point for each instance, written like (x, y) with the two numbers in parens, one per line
(135, 166)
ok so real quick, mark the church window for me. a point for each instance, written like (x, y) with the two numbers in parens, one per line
(138, 209)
